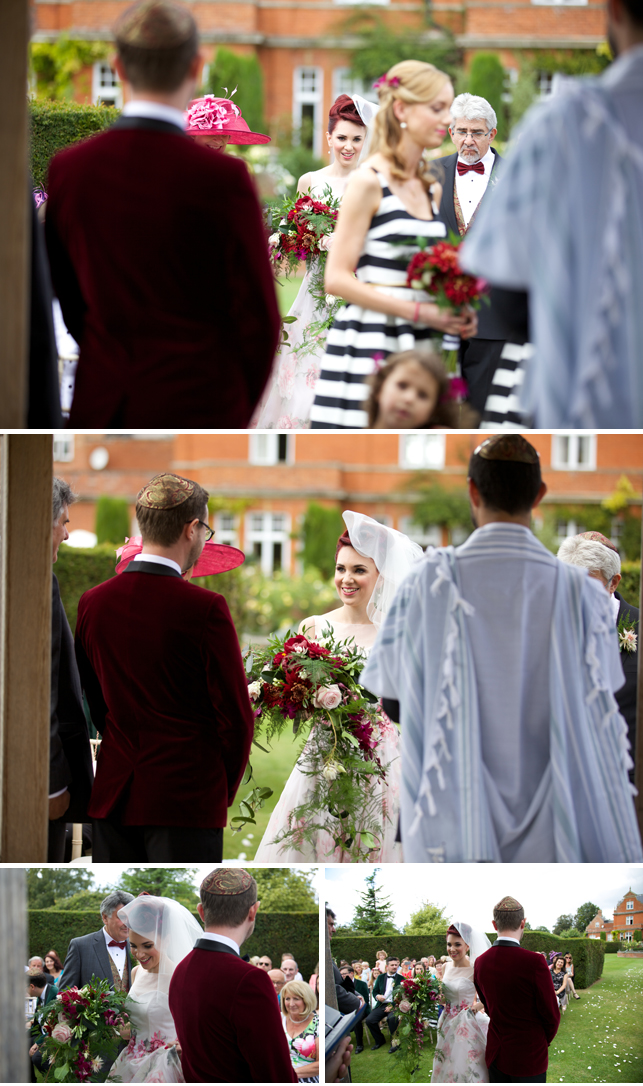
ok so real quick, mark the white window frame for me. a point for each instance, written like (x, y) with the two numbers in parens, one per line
(420, 451)
(302, 97)
(344, 83)
(573, 438)
(629, 920)
(226, 534)
(263, 448)
(266, 536)
(629, 904)
(100, 93)
(63, 447)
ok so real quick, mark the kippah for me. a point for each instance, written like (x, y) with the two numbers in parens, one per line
(512, 447)
(598, 537)
(227, 882)
(155, 24)
(508, 904)
(165, 491)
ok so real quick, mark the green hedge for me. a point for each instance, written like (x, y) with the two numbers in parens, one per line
(53, 929)
(78, 569)
(588, 954)
(613, 947)
(630, 586)
(55, 125)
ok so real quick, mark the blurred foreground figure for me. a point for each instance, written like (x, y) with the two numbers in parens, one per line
(572, 236)
(158, 253)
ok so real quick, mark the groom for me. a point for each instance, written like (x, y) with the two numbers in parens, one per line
(516, 989)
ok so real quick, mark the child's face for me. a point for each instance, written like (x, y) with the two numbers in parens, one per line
(408, 397)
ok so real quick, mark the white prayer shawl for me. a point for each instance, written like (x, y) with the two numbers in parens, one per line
(565, 222)
(580, 807)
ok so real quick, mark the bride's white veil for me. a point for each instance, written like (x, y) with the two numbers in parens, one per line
(477, 941)
(170, 926)
(394, 555)
(367, 111)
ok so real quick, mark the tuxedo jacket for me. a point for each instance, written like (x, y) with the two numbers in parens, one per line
(516, 988)
(159, 259)
(489, 325)
(88, 957)
(379, 987)
(70, 761)
(160, 663)
(626, 696)
(227, 1019)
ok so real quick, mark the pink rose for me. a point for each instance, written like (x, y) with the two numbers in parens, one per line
(61, 1032)
(405, 1006)
(325, 242)
(327, 697)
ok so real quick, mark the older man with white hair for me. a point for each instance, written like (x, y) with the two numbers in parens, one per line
(598, 555)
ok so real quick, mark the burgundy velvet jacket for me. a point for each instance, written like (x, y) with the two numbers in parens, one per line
(159, 258)
(227, 1019)
(516, 988)
(161, 667)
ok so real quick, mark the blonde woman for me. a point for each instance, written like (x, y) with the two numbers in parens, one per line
(301, 1026)
(392, 197)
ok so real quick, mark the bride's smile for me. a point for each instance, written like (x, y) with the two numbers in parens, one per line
(355, 579)
(145, 952)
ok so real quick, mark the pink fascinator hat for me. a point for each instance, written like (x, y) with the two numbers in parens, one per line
(215, 557)
(210, 114)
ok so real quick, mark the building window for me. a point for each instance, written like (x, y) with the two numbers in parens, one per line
(308, 93)
(573, 452)
(431, 536)
(225, 527)
(267, 449)
(629, 904)
(64, 448)
(629, 919)
(422, 451)
(345, 83)
(267, 539)
(106, 89)
(597, 924)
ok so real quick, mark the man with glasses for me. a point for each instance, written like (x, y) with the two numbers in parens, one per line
(160, 664)
(265, 963)
(467, 176)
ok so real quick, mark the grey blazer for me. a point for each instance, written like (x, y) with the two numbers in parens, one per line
(87, 957)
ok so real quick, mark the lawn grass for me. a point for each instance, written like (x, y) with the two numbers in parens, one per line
(287, 292)
(272, 771)
(599, 1039)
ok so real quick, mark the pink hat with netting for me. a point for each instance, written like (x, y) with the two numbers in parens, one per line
(210, 114)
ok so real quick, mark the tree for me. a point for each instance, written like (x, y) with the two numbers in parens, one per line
(285, 889)
(231, 70)
(528, 926)
(84, 899)
(112, 519)
(56, 63)
(321, 528)
(638, 935)
(564, 923)
(427, 920)
(174, 882)
(380, 48)
(46, 886)
(584, 915)
(438, 506)
(487, 79)
(571, 933)
(375, 915)
(542, 928)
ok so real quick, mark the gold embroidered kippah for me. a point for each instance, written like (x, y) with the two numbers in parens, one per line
(598, 537)
(509, 905)
(510, 447)
(155, 24)
(165, 491)
(227, 882)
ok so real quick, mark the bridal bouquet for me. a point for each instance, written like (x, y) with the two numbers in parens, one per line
(312, 689)
(81, 1028)
(417, 1001)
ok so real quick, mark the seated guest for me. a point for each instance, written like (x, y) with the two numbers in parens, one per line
(561, 980)
(264, 962)
(290, 969)
(366, 972)
(278, 981)
(569, 969)
(301, 1026)
(314, 980)
(53, 966)
(361, 988)
(419, 970)
(213, 123)
(254, 960)
(383, 990)
(37, 965)
(38, 987)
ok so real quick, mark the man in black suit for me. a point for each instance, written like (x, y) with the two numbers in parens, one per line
(601, 559)
(467, 176)
(39, 987)
(70, 762)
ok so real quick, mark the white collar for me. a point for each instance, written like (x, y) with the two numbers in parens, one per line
(220, 939)
(140, 107)
(159, 559)
(108, 938)
(509, 939)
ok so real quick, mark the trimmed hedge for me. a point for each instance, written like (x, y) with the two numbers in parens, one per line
(78, 569)
(588, 954)
(630, 586)
(55, 125)
(274, 933)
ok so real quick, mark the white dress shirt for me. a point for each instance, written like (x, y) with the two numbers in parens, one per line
(140, 107)
(220, 939)
(159, 559)
(116, 953)
(472, 186)
(615, 607)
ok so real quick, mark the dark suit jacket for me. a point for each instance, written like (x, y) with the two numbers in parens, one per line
(489, 327)
(379, 987)
(227, 1019)
(626, 696)
(44, 389)
(516, 988)
(346, 1001)
(88, 957)
(70, 762)
(159, 258)
(161, 667)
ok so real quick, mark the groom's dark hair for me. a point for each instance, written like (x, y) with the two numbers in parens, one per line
(227, 910)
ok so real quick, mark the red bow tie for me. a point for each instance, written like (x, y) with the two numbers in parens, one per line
(477, 167)
(120, 945)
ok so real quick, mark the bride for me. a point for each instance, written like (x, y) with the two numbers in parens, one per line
(371, 561)
(463, 1024)
(161, 933)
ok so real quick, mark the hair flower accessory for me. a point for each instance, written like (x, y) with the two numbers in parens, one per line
(384, 81)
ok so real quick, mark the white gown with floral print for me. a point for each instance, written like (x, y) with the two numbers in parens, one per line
(462, 1035)
(151, 1055)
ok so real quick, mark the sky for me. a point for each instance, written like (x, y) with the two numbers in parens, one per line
(107, 875)
(468, 892)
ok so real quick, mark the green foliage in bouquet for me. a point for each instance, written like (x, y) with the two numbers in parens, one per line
(80, 1029)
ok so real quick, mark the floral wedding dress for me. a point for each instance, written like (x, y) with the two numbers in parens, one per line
(462, 1033)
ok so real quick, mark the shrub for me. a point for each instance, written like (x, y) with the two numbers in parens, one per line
(487, 79)
(381, 47)
(55, 125)
(112, 520)
(78, 570)
(231, 70)
(630, 586)
(321, 529)
(613, 947)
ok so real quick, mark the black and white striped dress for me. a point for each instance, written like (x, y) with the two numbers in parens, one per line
(358, 337)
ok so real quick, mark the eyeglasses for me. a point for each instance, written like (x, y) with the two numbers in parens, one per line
(265, 965)
(477, 135)
(209, 532)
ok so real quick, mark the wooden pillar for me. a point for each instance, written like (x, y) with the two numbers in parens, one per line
(14, 1061)
(25, 657)
(14, 217)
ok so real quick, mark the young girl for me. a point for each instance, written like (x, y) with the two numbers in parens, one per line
(411, 392)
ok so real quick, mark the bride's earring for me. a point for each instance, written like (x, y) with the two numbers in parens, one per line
(402, 124)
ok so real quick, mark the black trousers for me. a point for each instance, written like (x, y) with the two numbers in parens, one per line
(56, 840)
(114, 843)
(479, 360)
(374, 1019)
(497, 1076)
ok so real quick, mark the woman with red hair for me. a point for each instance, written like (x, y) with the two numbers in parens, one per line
(291, 390)
(463, 1024)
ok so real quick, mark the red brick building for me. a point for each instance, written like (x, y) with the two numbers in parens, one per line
(628, 918)
(599, 925)
(269, 479)
(304, 46)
